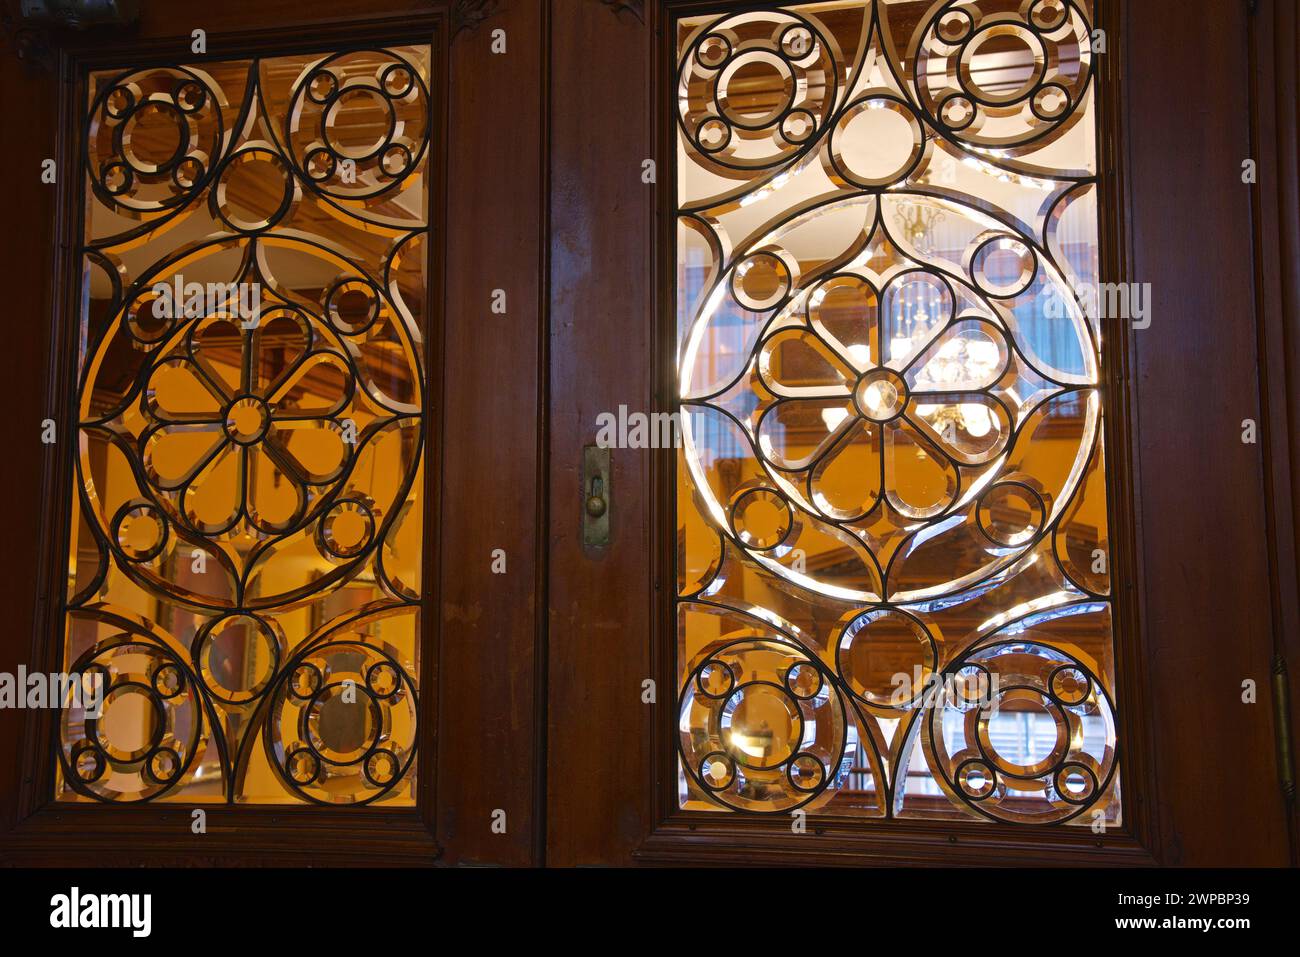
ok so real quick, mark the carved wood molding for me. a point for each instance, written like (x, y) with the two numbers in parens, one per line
(468, 14)
(35, 31)
(29, 42)
(635, 7)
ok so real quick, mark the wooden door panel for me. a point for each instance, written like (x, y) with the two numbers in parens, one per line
(601, 290)
(486, 396)
(491, 496)
(1182, 568)
(1205, 564)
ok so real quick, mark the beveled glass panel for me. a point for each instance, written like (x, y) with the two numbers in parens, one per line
(244, 572)
(893, 570)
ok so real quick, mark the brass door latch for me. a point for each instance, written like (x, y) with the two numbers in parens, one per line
(596, 475)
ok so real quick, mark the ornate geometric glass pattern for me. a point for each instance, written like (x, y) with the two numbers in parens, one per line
(893, 582)
(244, 573)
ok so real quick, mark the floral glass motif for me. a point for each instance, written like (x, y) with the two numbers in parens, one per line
(893, 589)
(244, 571)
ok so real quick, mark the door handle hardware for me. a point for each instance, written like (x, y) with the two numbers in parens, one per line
(596, 504)
(596, 476)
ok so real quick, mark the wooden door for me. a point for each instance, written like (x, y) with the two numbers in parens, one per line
(383, 457)
(548, 677)
(1196, 572)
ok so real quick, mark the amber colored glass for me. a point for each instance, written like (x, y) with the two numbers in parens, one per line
(893, 568)
(245, 558)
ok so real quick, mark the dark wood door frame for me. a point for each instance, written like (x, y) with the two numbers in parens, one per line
(1275, 136)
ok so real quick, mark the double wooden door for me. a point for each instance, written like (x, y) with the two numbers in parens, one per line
(489, 236)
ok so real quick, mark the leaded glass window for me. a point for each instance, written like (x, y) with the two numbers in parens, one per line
(892, 557)
(244, 569)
